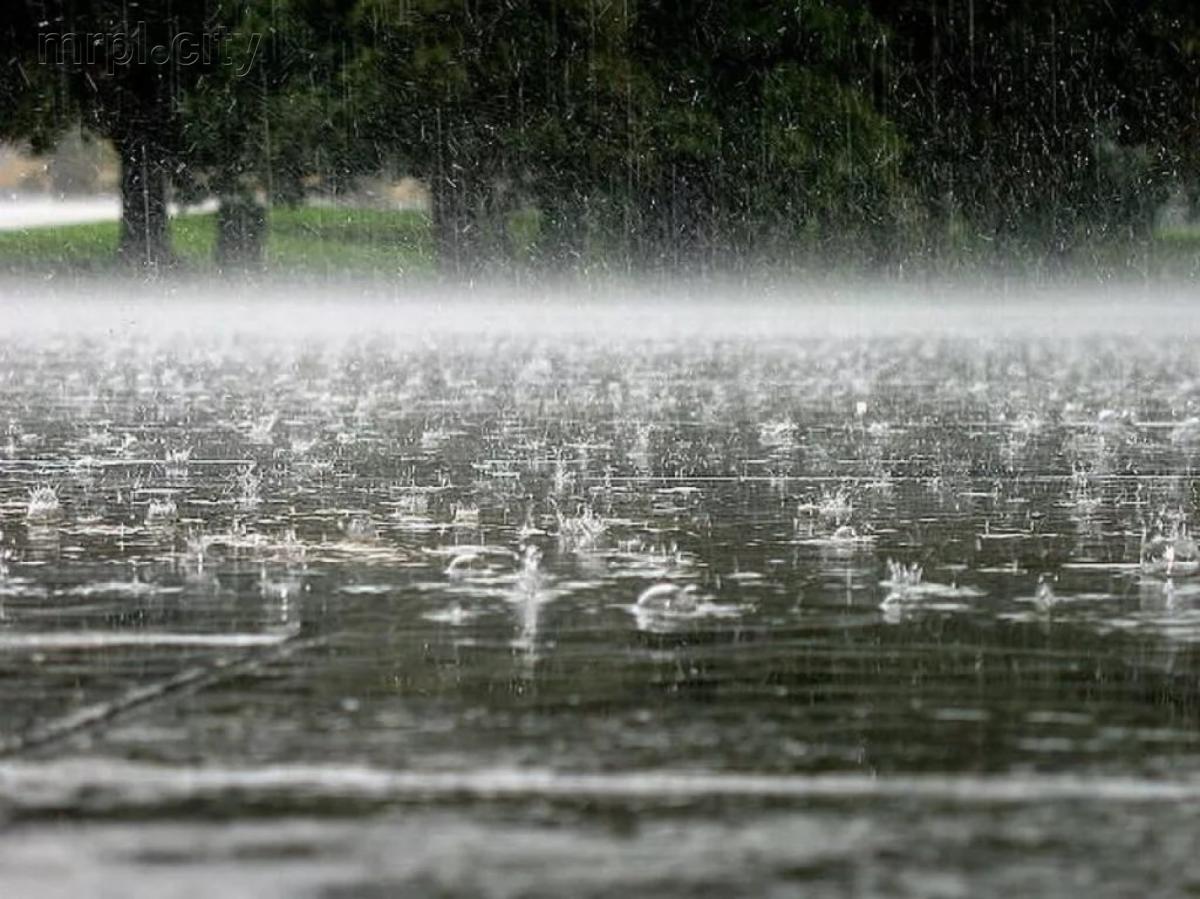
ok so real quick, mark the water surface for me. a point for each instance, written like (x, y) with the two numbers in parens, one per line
(347, 602)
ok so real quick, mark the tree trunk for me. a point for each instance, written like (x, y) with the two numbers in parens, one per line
(562, 242)
(144, 238)
(241, 233)
(458, 226)
(447, 226)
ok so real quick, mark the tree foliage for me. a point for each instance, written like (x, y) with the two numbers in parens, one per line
(635, 134)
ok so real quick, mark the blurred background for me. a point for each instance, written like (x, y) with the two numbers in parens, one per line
(604, 136)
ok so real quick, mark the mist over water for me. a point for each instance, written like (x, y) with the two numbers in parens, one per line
(630, 309)
(837, 590)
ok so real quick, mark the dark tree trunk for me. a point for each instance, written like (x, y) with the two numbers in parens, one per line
(448, 226)
(675, 224)
(241, 233)
(562, 241)
(692, 220)
(145, 241)
(458, 225)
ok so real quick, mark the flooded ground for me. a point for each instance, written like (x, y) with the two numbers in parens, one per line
(524, 600)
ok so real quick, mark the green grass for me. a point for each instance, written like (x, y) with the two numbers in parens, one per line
(369, 241)
(77, 246)
(379, 243)
(307, 240)
(1169, 254)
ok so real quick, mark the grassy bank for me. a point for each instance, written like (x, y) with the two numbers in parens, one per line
(377, 243)
(308, 240)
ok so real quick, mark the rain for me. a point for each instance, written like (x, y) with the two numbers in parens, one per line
(524, 450)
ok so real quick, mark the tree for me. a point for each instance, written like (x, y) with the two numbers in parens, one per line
(122, 69)
(693, 134)
(676, 134)
(274, 122)
(1040, 124)
(498, 106)
(761, 139)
